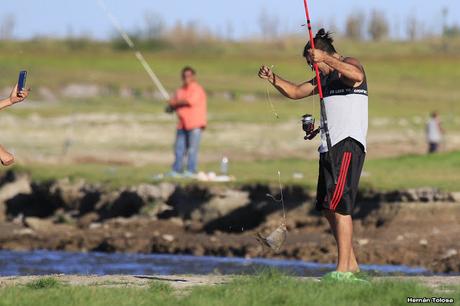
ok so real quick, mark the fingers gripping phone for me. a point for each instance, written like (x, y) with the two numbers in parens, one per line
(22, 80)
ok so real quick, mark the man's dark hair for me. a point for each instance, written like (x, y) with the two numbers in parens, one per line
(187, 69)
(323, 41)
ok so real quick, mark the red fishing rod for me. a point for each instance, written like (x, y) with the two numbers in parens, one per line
(324, 127)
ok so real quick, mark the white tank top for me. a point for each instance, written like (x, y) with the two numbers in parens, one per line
(346, 110)
(433, 131)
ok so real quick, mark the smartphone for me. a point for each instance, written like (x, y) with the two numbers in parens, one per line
(22, 80)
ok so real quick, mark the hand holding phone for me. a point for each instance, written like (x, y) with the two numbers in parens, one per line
(20, 92)
(22, 81)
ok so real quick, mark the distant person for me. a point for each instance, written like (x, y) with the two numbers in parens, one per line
(346, 101)
(190, 105)
(16, 96)
(434, 133)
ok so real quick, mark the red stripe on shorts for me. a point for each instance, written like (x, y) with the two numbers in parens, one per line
(339, 188)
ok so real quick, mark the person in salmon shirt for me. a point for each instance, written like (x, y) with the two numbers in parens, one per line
(190, 105)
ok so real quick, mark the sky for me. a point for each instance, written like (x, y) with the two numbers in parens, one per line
(60, 17)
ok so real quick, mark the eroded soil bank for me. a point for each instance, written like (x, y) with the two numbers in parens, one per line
(410, 227)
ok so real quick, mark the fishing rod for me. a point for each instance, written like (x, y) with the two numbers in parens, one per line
(324, 126)
(117, 25)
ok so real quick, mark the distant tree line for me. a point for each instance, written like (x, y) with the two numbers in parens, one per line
(373, 26)
(153, 33)
(376, 27)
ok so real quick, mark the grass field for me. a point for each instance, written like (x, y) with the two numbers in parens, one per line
(264, 290)
(127, 140)
(405, 78)
(406, 172)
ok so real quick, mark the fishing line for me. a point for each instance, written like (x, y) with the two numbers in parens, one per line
(117, 25)
(281, 199)
(272, 106)
(276, 239)
(270, 102)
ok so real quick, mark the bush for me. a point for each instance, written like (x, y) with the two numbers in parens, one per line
(43, 283)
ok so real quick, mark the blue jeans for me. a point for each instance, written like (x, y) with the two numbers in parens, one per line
(187, 143)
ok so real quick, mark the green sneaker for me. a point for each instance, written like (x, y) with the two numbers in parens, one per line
(358, 278)
(347, 277)
(336, 276)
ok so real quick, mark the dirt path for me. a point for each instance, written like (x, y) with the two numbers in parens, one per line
(185, 282)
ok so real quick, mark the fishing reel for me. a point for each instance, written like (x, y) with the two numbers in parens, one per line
(308, 126)
(169, 109)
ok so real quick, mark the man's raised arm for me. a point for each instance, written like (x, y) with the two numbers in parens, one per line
(286, 88)
(349, 68)
(15, 97)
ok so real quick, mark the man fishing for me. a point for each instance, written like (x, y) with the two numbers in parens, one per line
(190, 105)
(344, 88)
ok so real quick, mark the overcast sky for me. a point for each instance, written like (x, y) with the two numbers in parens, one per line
(59, 17)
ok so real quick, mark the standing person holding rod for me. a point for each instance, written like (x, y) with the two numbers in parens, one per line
(17, 95)
(345, 93)
(190, 105)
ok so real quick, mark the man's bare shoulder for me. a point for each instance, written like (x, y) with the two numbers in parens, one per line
(353, 61)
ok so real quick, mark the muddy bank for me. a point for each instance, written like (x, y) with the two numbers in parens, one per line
(410, 227)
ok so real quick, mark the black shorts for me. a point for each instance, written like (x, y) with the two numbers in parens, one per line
(349, 158)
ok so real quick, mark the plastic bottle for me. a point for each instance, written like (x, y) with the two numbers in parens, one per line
(224, 166)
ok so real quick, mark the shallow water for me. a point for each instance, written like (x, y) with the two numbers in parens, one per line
(50, 262)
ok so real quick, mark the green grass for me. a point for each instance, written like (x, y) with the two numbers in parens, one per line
(43, 283)
(264, 290)
(401, 75)
(439, 171)
(161, 287)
